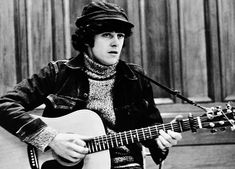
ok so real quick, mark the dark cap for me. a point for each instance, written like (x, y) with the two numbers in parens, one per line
(103, 11)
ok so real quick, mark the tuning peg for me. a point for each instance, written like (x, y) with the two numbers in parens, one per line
(221, 123)
(218, 107)
(233, 128)
(213, 130)
(212, 124)
(228, 106)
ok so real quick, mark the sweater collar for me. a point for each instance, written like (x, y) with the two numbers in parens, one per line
(123, 68)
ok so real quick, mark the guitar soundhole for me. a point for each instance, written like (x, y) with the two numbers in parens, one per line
(54, 164)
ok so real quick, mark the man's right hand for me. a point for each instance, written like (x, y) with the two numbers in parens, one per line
(72, 147)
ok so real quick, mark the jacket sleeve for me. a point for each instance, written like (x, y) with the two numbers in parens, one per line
(27, 95)
(154, 117)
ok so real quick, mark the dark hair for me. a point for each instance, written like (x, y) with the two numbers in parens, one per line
(85, 33)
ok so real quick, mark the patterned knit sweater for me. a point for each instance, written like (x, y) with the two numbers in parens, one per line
(101, 80)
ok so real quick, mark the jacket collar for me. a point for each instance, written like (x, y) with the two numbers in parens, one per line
(76, 62)
(122, 67)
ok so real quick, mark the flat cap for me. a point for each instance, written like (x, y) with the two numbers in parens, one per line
(103, 11)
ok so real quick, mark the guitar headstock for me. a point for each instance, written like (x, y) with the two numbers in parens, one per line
(218, 117)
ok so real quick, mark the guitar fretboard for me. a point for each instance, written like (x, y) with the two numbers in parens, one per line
(105, 142)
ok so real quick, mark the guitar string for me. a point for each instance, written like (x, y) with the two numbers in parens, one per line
(121, 138)
(140, 134)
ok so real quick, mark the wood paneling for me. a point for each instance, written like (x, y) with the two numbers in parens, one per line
(193, 50)
(184, 45)
(39, 29)
(227, 40)
(60, 29)
(7, 46)
(157, 44)
(213, 51)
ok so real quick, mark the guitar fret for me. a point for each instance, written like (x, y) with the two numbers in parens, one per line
(121, 142)
(111, 139)
(199, 122)
(163, 127)
(143, 134)
(137, 135)
(153, 131)
(172, 128)
(88, 144)
(102, 143)
(95, 146)
(116, 139)
(180, 126)
(126, 137)
(146, 133)
(160, 127)
(132, 140)
(108, 142)
(157, 129)
(150, 133)
(98, 144)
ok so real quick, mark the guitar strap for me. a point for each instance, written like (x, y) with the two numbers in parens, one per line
(171, 91)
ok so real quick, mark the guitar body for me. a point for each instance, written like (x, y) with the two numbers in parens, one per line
(83, 122)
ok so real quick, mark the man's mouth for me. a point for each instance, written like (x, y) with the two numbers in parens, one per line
(113, 52)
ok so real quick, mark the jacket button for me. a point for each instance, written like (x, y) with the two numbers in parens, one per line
(85, 95)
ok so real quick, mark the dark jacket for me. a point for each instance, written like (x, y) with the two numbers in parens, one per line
(63, 87)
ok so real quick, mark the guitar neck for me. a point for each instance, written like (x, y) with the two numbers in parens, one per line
(132, 136)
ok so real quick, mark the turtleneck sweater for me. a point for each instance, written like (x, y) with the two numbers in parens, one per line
(101, 80)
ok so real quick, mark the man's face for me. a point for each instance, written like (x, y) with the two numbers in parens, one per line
(107, 47)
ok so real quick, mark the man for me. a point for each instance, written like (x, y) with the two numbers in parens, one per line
(97, 80)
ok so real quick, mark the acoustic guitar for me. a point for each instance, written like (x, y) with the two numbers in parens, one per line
(16, 154)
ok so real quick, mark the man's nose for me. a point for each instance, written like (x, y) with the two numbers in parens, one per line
(115, 41)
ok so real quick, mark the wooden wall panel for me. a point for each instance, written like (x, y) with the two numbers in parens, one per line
(7, 46)
(60, 29)
(193, 49)
(184, 45)
(75, 10)
(134, 45)
(21, 42)
(227, 40)
(174, 46)
(157, 43)
(39, 28)
(213, 50)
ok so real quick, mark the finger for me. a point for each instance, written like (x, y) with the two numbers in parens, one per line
(160, 145)
(76, 155)
(79, 142)
(178, 117)
(166, 136)
(164, 142)
(69, 158)
(80, 149)
(175, 135)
